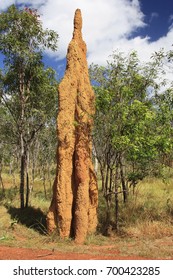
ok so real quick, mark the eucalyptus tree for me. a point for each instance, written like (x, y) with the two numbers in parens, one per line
(29, 90)
(124, 135)
(163, 103)
(164, 127)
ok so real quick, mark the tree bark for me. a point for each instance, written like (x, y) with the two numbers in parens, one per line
(22, 181)
(124, 188)
(116, 197)
(27, 179)
(1, 180)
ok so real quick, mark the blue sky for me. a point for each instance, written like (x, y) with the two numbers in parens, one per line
(159, 16)
(141, 25)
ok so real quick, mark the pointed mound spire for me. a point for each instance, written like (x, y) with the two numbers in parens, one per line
(78, 20)
(73, 210)
(77, 24)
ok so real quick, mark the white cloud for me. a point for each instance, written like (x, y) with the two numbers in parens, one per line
(107, 25)
(144, 46)
(104, 23)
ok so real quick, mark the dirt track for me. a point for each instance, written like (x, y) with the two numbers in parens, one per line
(98, 253)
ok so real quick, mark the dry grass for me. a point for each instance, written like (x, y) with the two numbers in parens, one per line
(146, 221)
(150, 230)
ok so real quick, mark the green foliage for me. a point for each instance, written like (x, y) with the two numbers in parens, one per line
(22, 35)
(124, 122)
(133, 125)
(28, 90)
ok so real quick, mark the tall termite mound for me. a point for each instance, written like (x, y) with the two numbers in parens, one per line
(73, 210)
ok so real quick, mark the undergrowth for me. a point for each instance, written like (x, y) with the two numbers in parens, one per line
(147, 215)
(148, 211)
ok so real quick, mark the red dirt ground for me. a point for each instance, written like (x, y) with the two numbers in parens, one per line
(11, 253)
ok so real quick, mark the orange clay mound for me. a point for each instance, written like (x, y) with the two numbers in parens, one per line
(73, 209)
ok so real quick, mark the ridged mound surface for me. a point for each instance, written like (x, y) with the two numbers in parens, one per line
(73, 209)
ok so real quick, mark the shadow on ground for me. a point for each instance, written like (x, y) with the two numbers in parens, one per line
(30, 217)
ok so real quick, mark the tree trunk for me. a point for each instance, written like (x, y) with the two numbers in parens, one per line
(22, 181)
(1, 180)
(33, 171)
(44, 181)
(27, 190)
(27, 180)
(49, 176)
(116, 197)
(124, 188)
(22, 148)
(110, 180)
(107, 180)
(103, 178)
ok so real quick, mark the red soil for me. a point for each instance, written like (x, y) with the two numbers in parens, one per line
(98, 253)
